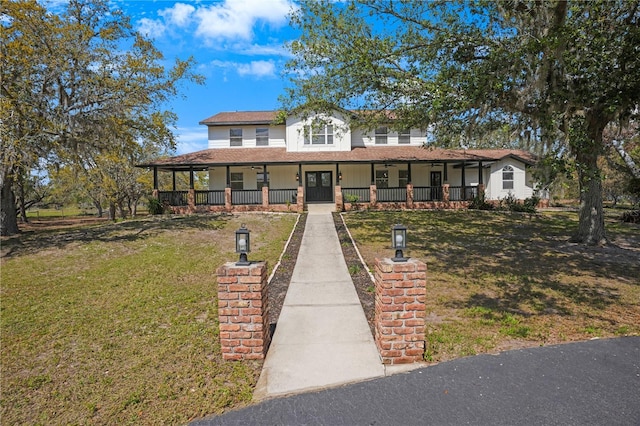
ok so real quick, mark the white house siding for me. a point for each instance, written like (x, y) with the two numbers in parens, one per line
(367, 138)
(219, 136)
(355, 175)
(280, 177)
(295, 135)
(522, 187)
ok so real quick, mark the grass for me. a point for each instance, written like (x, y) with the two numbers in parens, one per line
(117, 323)
(497, 281)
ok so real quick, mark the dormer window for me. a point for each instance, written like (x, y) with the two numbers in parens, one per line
(381, 135)
(235, 137)
(319, 134)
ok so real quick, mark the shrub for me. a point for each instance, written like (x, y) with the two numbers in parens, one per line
(155, 206)
(479, 203)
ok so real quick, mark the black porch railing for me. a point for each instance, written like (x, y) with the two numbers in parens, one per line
(357, 195)
(283, 196)
(393, 195)
(427, 193)
(462, 193)
(246, 196)
(174, 198)
(209, 198)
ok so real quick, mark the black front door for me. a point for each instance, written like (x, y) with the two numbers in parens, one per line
(319, 187)
(436, 186)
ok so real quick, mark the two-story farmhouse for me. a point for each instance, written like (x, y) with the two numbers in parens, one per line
(261, 160)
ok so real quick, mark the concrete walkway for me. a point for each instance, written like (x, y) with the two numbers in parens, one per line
(322, 337)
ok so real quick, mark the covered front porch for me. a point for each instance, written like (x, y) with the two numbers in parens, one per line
(290, 187)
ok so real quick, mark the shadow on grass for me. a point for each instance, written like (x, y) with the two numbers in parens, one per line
(32, 241)
(512, 263)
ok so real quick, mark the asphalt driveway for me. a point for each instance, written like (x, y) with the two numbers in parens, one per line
(587, 383)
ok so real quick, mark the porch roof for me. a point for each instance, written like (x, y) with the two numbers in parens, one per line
(201, 160)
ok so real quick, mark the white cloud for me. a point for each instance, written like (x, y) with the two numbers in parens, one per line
(235, 19)
(180, 14)
(259, 69)
(151, 28)
(191, 139)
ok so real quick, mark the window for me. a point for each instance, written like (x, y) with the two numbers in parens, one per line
(382, 178)
(237, 181)
(381, 136)
(319, 134)
(262, 179)
(403, 178)
(507, 177)
(235, 137)
(262, 137)
(404, 136)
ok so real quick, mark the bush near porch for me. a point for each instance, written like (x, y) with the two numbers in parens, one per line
(117, 323)
(498, 281)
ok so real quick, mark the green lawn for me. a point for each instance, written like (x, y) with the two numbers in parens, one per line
(117, 323)
(497, 281)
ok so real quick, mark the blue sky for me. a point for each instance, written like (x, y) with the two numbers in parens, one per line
(238, 46)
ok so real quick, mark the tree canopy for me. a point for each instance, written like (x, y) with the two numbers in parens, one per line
(78, 86)
(549, 76)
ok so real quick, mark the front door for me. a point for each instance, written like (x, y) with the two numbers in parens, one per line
(319, 187)
(436, 186)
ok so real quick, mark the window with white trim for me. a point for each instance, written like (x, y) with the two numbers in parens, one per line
(404, 136)
(237, 181)
(262, 136)
(235, 137)
(507, 177)
(381, 135)
(319, 134)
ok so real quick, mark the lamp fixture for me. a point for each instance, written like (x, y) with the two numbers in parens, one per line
(243, 245)
(340, 176)
(399, 242)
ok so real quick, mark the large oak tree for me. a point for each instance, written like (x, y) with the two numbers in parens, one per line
(76, 86)
(554, 73)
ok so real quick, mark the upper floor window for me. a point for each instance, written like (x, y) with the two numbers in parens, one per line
(262, 136)
(404, 136)
(507, 177)
(319, 134)
(235, 137)
(381, 136)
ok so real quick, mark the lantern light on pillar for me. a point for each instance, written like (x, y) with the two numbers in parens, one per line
(399, 242)
(297, 177)
(243, 245)
(340, 176)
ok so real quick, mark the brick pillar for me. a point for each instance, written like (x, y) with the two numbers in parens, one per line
(409, 196)
(373, 195)
(227, 199)
(242, 311)
(445, 192)
(265, 196)
(400, 310)
(339, 199)
(191, 201)
(300, 199)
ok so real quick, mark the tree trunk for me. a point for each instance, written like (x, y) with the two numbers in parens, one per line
(112, 211)
(21, 200)
(591, 220)
(8, 212)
